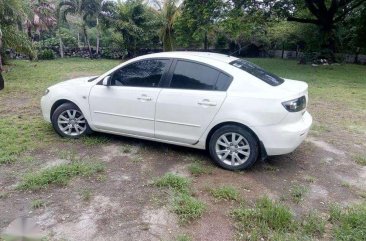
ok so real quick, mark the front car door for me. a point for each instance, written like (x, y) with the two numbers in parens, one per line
(194, 96)
(127, 106)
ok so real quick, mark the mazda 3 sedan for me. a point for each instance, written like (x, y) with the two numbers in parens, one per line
(230, 107)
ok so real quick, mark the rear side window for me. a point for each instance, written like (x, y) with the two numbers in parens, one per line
(195, 76)
(258, 72)
(145, 73)
(189, 75)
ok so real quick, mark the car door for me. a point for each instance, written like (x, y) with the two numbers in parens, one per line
(127, 106)
(194, 96)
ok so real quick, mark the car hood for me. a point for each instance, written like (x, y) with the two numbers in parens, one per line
(77, 81)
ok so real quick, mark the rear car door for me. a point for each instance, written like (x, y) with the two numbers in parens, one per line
(193, 97)
(127, 106)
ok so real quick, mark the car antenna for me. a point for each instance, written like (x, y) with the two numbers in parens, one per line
(238, 50)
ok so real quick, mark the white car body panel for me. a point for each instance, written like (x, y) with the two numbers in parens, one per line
(186, 117)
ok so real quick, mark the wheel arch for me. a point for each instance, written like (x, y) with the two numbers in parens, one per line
(262, 149)
(59, 103)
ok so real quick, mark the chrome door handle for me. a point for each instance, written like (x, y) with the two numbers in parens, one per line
(206, 102)
(144, 98)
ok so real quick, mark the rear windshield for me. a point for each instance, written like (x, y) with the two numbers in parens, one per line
(258, 72)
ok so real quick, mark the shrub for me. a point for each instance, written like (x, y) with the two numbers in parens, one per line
(46, 54)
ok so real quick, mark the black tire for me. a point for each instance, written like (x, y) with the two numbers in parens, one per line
(60, 110)
(249, 139)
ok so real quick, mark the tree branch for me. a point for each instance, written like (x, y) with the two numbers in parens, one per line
(348, 10)
(313, 9)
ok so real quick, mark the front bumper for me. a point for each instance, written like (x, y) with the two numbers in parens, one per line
(46, 108)
(284, 138)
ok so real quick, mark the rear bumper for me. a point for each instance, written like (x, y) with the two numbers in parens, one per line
(284, 138)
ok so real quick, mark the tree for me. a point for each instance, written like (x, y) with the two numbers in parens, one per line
(169, 12)
(326, 14)
(137, 25)
(198, 18)
(12, 12)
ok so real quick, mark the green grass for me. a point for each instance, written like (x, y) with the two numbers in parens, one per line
(198, 169)
(298, 192)
(95, 140)
(58, 175)
(38, 203)
(313, 225)
(22, 126)
(225, 193)
(187, 207)
(349, 223)
(360, 159)
(264, 220)
(183, 237)
(173, 181)
(86, 195)
(271, 220)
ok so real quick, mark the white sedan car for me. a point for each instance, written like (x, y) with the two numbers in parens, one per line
(230, 107)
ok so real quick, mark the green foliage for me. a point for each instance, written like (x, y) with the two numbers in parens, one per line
(173, 181)
(58, 175)
(225, 193)
(46, 54)
(187, 207)
(136, 25)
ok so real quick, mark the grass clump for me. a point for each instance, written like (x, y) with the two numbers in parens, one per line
(58, 175)
(183, 237)
(86, 194)
(197, 169)
(350, 223)
(225, 193)
(313, 225)
(187, 207)
(265, 220)
(38, 203)
(360, 160)
(95, 140)
(173, 181)
(298, 192)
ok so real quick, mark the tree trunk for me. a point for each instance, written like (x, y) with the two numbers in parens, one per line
(357, 54)
(98, 36)
(87, 41)
(283, 50)
(2, 82)
(61, 48)
(79, 39)
(205, 44)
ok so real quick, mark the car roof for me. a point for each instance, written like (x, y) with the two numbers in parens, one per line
(190, 54)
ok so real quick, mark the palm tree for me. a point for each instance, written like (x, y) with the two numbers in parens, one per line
(169, 13)
(79, 8)
(99, 13)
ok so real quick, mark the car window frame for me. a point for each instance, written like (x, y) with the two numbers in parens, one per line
(168, 80)
(163, 76)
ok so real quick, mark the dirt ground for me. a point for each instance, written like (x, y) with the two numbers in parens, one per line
(123, 205)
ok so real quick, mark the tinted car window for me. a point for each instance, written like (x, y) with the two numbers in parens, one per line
(223, 82)
(146, 73)
(188, 75)
(258, 72)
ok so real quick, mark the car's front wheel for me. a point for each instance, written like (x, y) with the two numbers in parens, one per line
(233, 147)
(69, 121)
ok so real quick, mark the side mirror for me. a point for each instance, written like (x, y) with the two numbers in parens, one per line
(107, 81)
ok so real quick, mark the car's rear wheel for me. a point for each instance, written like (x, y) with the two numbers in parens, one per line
(233, 147)
(69, 121)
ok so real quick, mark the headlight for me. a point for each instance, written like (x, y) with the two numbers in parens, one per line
(295, 105)
(46, 91)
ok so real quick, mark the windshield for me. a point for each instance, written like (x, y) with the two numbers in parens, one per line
(258, 72)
